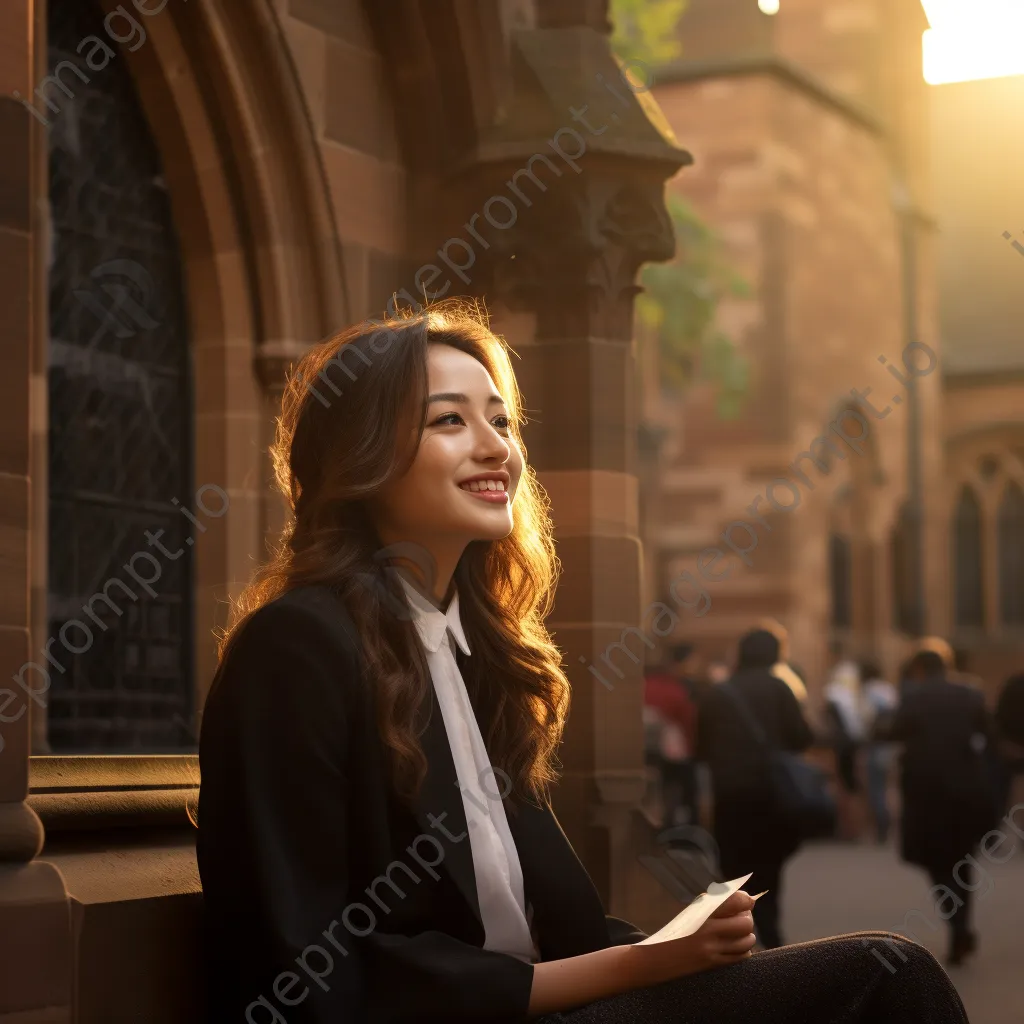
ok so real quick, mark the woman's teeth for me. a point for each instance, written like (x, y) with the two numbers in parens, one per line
(483, 485)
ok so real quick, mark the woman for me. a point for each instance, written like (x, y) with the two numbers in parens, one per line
(375, 838)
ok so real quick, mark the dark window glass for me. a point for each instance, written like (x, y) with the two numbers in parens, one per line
(907, 610)
(968, 578)
(1011, 556)
(841, 579)
(119, 608)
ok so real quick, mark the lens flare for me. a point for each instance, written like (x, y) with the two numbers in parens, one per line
(972, 40)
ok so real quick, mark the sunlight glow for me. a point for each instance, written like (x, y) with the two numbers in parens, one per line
(768, 6)
(972, 39)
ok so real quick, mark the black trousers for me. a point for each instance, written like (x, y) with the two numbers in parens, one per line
(863, 978)
(960, 921)
(751, 840)
(767, 908)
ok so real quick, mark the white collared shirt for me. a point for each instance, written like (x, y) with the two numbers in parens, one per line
(499, 876)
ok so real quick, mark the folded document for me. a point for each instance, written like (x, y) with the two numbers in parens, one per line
(688, 920)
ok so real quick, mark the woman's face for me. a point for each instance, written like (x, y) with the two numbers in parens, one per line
(461, 485)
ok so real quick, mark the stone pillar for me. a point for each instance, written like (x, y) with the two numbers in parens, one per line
(566, 273)
(34, 972)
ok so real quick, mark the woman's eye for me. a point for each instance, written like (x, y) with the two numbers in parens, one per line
(500, 422)
(448, 419)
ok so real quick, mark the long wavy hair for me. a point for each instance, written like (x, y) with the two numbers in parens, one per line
(352, 415)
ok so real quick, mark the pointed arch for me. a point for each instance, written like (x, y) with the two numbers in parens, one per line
(968, 561)
(261, 261)
(1010, 548)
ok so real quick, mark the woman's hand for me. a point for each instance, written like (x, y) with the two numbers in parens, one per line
(726, 937)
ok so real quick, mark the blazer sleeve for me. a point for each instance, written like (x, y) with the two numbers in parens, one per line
(274, 847)
(622, 933)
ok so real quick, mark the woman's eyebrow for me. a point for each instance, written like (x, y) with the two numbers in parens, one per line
(460, 398)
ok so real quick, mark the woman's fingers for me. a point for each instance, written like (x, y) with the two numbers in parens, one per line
(737, 903)
(733, 927)
(737, 947)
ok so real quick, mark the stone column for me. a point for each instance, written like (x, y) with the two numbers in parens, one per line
(35, 923)
(566, 272)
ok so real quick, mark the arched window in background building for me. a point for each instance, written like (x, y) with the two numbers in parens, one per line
(841, 580)
(1010, 548)
(968, 575)
(906, 597)
(120, 411)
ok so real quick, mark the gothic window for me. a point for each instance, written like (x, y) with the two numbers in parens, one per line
(841, 579)
(1011, 555)
(968, 578)
(119, 606)
(907, 615)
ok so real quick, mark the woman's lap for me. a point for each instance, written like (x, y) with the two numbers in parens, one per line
(828, 981)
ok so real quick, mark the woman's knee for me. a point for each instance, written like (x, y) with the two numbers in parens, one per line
(895, 951)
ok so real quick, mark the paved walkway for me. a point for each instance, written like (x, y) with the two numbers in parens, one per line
(841, 888)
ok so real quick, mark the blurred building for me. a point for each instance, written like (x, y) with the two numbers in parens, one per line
(866, 209)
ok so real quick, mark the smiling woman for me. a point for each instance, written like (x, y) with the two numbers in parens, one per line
(341, 741)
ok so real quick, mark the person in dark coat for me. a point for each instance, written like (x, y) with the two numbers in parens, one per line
(750, 836)
(949, 796)
(1010, 721)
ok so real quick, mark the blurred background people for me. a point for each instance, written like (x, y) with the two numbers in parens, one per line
(749, 834)
(718, 671)
(949, 801)
(845, 727)
(879, 700)
(782, 668)
(1009, 719)
(670, 722)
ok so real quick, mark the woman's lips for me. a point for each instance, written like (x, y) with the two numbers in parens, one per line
(497, 496)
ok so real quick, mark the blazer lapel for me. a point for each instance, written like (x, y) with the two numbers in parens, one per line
(441, 798)
(567, 909)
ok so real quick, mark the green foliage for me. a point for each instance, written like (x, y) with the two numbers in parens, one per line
(679, 306)
(682, 297)
(645, 30)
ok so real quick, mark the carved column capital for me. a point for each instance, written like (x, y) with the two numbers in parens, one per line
(573, 260)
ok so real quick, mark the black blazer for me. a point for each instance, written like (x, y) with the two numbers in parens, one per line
(326, 899)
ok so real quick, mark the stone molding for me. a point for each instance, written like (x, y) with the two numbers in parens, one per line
(74, 794)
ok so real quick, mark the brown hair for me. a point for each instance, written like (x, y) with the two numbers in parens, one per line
(335, 447)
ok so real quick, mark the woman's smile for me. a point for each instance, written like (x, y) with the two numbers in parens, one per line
(490, 487)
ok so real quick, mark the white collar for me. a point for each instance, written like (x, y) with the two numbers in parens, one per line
(431, 623)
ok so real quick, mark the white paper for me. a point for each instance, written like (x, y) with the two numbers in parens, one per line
(690, 918)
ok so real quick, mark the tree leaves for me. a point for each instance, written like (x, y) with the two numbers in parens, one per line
(681, 298)
(645, 30)
(680, 305)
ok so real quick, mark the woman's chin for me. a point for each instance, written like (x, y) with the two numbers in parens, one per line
(496, 526)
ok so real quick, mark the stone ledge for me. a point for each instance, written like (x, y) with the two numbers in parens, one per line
(114, 791)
